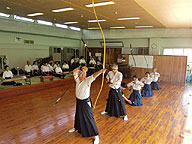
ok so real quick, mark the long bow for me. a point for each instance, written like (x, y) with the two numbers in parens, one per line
(103, 76)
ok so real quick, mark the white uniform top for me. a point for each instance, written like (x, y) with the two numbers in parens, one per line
(45, 69)
(50, 68)
(82, 61)
(35, 67)
(28, 68)
(72, 61)
(7, 74)
(155, 78)
(42, 67)
(58, 70)
(136, 86)
(99, 63)
(114, 77)
(92, 62)
(55, 66)
(146, 80)
(65, 66)
(83, 88)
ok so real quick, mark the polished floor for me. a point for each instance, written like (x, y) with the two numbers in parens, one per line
(33, 119)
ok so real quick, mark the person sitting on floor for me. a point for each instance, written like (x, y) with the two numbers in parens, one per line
(155, 76)
(147, 91)
(59, 72)
(51, 66)
(28, 69)
(135, 97)
(45, 70)
(82, 61)
(35, 68)
(65, 67)
(8, 75)
(55, 65)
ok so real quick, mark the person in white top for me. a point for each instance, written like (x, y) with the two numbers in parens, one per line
(55, 65)
(28, 69)
(65, 67)
(92, 62)
(155, 76)
(7, 74)
(115, 104)
(135, 96)
(84, 120)
(82, 61)
(147, 91)
(35, 68)
(51, 66)
(59, 72)
(45, 69)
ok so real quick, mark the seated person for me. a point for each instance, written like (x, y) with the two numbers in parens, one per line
(155, 77)
(28, 69)
(7, 74)
(59, 72)
(99, 65)
(55, 65)
(35, 68)
(45, 70)
(92, 62)
(82, 61)
(65, 67)
(51, 66)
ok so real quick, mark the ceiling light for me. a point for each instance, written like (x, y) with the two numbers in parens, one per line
(93, 28)
(143, 26)
(96, 20)
(62, 10)
(75, 28)
(44, 22)
(61, 25)
(23, 18)
(100, 4)
(35, 14)
(129, 18)
(70, 22)
(4, 15)
(118, 27)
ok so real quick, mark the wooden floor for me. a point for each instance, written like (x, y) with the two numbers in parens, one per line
(32, 118)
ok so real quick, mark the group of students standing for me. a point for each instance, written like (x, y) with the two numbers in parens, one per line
(84, 120)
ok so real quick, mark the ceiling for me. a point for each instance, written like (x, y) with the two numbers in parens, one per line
(159, 14)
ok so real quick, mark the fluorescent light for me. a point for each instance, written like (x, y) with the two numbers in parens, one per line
(100, 4)
(35, 14)
(120, 27)
(44, 22)
(4, 15)
(93, 28)
(70, 22)
(96, 20)
(61, 25)
(129, 18)
(75, 28)
(143, 26)
(23, 18)
(62, 10)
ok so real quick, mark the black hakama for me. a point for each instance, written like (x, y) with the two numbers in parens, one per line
(147, 91)
(8, 82)
(155, 86)
(115, 104)
(135, 98)
(84, 120)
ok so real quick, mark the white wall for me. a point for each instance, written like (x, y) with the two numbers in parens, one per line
(161, 38)
(43, 36)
